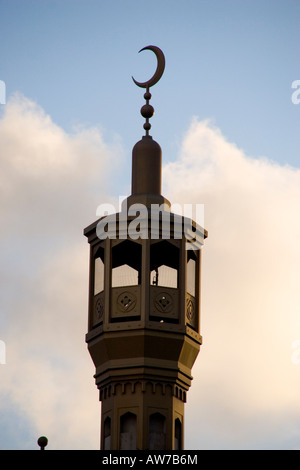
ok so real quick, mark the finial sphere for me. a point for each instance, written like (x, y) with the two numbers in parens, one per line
(42, 442)
(147, 111)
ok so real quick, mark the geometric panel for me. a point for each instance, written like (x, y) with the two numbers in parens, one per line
(191, 312)
(125, 302)
(164, 303)
(98, 311)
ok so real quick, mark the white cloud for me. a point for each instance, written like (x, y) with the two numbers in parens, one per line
(49, 174)
(250, 285)
(50, 184)
(245, 389)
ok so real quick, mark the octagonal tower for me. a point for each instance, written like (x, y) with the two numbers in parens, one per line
(144, 306)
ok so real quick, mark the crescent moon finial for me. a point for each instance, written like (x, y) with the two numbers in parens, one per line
(147, 110)
(161, 62)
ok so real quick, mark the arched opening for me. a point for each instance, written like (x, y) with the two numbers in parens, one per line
(178, 435)
(128, 431)
(99, 271)
(157, 432)
(126, 264)
(164, 281)
(192, 290)
(164, 264)
(107, 434)
(191, 273)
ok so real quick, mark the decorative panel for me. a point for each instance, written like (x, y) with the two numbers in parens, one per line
(164, 303)
(125, 302)
(191, 312)
(98, 310)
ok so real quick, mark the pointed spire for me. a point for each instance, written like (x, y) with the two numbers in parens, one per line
(146, 154)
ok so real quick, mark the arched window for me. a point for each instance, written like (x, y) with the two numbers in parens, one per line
(178, 434)
(128, 431)
(164, 264)
(191, 273)
(99, 271)
(157, 432)
(126, 264)
(107, 434)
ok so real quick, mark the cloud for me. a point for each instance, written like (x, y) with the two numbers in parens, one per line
(48, 173)
(51, 183)
(244, 377)
(246, 387)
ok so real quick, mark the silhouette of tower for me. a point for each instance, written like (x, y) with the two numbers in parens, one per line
(144, 306)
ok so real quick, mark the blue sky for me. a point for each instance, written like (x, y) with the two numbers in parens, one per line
(229, 133)
(231, 61)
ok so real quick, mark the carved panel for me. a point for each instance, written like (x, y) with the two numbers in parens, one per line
(98, 310)
(125, 302)
(164, 302)
(191, 312)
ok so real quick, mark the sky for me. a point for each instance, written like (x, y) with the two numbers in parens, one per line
(227, 118)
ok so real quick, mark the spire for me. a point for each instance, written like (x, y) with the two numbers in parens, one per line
(146, 154)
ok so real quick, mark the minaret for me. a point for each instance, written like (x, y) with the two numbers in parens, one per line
(144, 306)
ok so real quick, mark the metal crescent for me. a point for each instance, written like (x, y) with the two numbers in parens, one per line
(159, 70)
